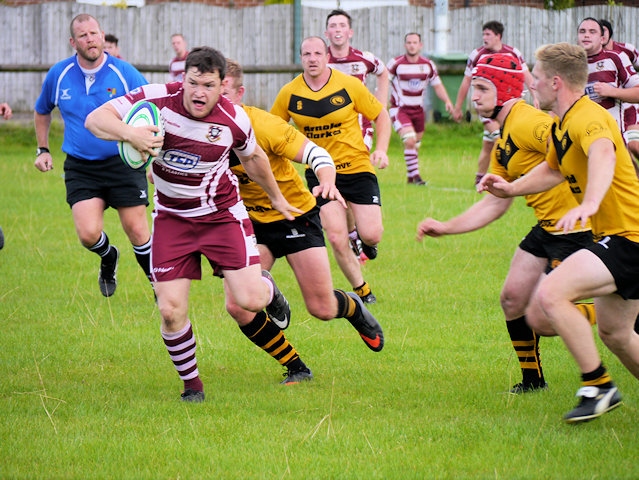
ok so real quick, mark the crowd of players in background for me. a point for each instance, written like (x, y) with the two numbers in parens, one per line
(353, 223)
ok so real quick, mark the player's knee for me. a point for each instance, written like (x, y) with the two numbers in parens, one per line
(409, 139)
(512, 303)
(88, 238)
(173, 318)
(372, 238)
(537, 316)
(252, 303)
(337, 240)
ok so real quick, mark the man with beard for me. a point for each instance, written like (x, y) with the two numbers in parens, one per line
(94, 175)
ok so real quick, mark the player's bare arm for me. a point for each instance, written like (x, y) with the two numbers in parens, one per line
(381, 92)
(105, 123)
(601, 169)
(323, 166)
(326, 187)
(442, 94)
(258, 168)
(539, 179)
(379, 157)
(461, 96)
(44, 161)
(480, 214)
(629, 95)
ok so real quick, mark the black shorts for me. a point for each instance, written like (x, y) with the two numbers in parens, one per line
(621, 257)
(555, 248)
(361, 188)
(285, 237)
(110, 179)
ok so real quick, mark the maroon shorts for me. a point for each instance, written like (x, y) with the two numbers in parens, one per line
(403, 117)
(225, 238)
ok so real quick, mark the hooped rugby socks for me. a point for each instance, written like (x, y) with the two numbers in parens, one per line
(181, 347)
(266, 335)
(526, 345)
(412, 162)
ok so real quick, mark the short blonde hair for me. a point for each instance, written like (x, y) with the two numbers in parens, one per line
(565, 60)
(234, 70)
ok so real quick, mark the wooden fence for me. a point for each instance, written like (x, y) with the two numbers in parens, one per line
(262, 37)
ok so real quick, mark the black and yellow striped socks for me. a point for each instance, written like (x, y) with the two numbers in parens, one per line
(599, 378)
(526, 345)
(266, 335)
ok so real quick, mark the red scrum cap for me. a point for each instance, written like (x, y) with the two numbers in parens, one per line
(504, 72)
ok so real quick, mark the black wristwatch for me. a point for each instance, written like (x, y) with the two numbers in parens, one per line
(41, 150)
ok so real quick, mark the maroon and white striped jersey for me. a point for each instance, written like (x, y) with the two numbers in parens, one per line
(616, 70)
(630, 50)
(630, 110)
(481, 52)
(191, 174)
(357, 64)
(409, 80)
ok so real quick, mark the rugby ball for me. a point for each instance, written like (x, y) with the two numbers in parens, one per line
(142, 113)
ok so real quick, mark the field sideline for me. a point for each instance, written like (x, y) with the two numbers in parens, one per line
(88, 389)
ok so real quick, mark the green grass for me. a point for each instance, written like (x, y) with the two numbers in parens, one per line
(88, 390)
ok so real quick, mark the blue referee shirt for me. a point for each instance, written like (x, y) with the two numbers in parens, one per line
(65, 87)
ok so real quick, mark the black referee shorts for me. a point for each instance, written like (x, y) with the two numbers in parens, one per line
(110, 179)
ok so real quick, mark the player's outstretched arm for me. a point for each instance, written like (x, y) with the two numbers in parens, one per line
(539, 179)
(323, 166)
(480, 214)
(258, 168)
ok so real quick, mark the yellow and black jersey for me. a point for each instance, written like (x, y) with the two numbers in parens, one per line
(329, 117)
(521, 147)
(571, 138)
(281, 142)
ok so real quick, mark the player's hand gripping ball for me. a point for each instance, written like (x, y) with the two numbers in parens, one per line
(142, 113)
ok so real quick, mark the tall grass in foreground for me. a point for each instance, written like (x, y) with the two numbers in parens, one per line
(88, 390)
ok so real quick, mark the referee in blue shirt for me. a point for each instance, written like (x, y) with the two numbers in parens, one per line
(94, 175)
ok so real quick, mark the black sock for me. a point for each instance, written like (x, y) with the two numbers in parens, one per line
(143, 256)
(103, 248)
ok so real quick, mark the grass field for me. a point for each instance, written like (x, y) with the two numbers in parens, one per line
(88, 390)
